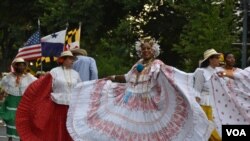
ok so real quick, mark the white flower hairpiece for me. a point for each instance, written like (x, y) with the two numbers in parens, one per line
(155, 46)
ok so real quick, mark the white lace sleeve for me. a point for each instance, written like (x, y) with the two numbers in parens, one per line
(199, 81)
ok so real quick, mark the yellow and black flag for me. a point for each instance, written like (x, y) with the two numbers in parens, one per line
(72, 38)
(41, 60)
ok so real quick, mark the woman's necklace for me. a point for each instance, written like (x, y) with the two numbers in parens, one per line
(141, 67)
(147, 62)
(67, 76)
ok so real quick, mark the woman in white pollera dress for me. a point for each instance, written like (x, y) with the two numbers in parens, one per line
(153, 105)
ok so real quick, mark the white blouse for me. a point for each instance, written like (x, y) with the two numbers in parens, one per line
(64, 80)
(202, 84)
(10, 86)
(142, 85)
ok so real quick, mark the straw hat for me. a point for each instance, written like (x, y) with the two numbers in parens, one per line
(18, 60)
(5, 73)
(79, 51)
(40, 72)
(66, 53)
(61, 59)
(208, 53)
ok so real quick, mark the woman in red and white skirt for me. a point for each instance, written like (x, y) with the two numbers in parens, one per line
(43, 110)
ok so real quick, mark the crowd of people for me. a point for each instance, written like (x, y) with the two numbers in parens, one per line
(151, 102)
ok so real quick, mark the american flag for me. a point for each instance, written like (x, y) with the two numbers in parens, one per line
(32, 48)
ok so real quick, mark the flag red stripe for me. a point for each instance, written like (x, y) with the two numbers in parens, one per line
(27, 54)
(30, 57)
(30, 52)
(30, 48)
(22, 50)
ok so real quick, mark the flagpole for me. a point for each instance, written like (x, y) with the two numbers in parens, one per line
(67, 25)
(39, 24)
(64, 45)
(80, 24)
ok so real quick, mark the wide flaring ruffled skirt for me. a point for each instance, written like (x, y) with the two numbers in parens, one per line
(38, 118)
(102, 111)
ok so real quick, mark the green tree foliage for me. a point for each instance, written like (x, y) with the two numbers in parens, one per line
(163, 21)
(18, 21)
(210, 25)
(114, 54)
(97, 16)
(111, 27)
(106, 34)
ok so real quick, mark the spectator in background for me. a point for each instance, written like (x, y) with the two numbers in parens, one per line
(84, 65)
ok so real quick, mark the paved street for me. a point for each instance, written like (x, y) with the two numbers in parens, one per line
(3, 134)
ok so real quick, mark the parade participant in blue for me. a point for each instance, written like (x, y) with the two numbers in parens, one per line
(42, 113)
(84, 65)
(14, 84)
(154, 103)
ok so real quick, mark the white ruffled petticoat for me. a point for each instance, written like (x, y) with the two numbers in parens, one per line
(160, 108)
